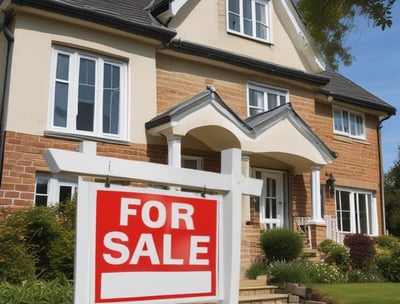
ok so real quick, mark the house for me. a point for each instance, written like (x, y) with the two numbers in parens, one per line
(177, 82)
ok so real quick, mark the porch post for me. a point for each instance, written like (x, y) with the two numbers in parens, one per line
(316, 217)
(246, 198)
(174, 151)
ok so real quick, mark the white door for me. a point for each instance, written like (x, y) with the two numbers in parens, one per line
(272, 202)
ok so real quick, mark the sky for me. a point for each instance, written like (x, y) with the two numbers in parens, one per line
(376, 68)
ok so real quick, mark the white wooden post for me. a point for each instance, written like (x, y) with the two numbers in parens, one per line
(316, 217)
(230, 183)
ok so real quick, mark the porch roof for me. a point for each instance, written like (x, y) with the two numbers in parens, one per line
(279, 133)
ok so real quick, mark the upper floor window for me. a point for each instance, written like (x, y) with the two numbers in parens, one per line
(249, 18)
(89, 95)
(348, 123)
(261, 99)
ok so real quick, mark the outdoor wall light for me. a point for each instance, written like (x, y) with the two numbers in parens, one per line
(330, 182)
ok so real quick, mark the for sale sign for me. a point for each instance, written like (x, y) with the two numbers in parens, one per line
(154, 247)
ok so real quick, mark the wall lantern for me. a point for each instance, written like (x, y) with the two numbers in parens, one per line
(330, 182)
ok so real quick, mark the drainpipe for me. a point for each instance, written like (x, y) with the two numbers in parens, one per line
(381, 175)
(10, 43)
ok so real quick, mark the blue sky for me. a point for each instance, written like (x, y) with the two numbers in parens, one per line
(376, 68)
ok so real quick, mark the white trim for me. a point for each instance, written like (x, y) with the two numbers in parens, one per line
(268, 16)
(124, 108)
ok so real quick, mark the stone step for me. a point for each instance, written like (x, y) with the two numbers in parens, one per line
(257, 290)
(264, 299)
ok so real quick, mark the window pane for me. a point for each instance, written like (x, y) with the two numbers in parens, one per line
(256, 98)
(247, 18)
(111, 99)
(40, 200)
(41, 191)
(234, 15)
(345, 121)
(282, 100)
(362, 216)
(272, 101)
(60, 104)
(337, 118)
(62, 66)
(86, 95)
(359, 126)
(261, 25)
(65, 193)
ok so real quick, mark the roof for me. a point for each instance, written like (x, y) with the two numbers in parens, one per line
(130, 16)
(343, 89)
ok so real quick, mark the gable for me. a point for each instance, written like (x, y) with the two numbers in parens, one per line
(204, 22)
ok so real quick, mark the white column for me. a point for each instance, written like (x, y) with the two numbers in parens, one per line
(316, 217)
(245, 198)
(174, 151)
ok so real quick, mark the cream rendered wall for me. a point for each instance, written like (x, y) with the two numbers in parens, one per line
(30, 82)
(204, 22)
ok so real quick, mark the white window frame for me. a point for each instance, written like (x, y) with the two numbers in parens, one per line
(196, 159)
(265, 90)
(350, 115)
(355, 223)
(72, 107)
(54, 182)
(267, 4)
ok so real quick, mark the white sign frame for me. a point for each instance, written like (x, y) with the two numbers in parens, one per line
(230, 183)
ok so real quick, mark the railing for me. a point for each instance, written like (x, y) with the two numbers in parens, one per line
(303, 227)
(332, 232)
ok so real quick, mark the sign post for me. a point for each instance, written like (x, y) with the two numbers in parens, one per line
(142, 245)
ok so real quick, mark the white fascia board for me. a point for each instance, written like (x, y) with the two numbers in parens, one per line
(299, 34)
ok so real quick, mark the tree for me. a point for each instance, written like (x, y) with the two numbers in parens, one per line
(392, 197)
(329, 21)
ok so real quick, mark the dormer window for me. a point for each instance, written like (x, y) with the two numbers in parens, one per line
(249, 18)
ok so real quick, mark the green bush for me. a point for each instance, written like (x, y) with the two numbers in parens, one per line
(388, 257)
(256, 268)
(17, 264)
(58, 291)
(305, 272)
(362, 251)
(281, 244)
(43, 240)
(367, 276)
(336, 254)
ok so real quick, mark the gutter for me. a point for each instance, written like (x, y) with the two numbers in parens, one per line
(4, 98)
(235, 59)
(381, 173)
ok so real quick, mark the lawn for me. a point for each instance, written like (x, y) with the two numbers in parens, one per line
(361, 293)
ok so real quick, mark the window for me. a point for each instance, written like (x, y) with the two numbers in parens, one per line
(261, 99)
(51, 190)
(356, 211)
(192, 162)
(348, 123)
(88, 95)
(249, 18)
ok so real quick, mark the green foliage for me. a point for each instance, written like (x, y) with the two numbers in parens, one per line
(58, 291)
(281, 244)
(362, 250)
(43, 240)
(336, 254)
(329, 21)
(392, 197)
(388, 257)
(370, 275)
(256, 268)
(17, 263)
(305, 272)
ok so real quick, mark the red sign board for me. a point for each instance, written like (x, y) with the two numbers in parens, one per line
(153, 247)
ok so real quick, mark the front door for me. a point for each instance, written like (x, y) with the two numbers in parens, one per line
(272, 200)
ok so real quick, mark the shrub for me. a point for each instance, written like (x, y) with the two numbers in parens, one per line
(281, 244)
(367, 276)
(362, 251)
(46, 241)
(256, 268)
(336, 254)
(305, 272)
(388, 257)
